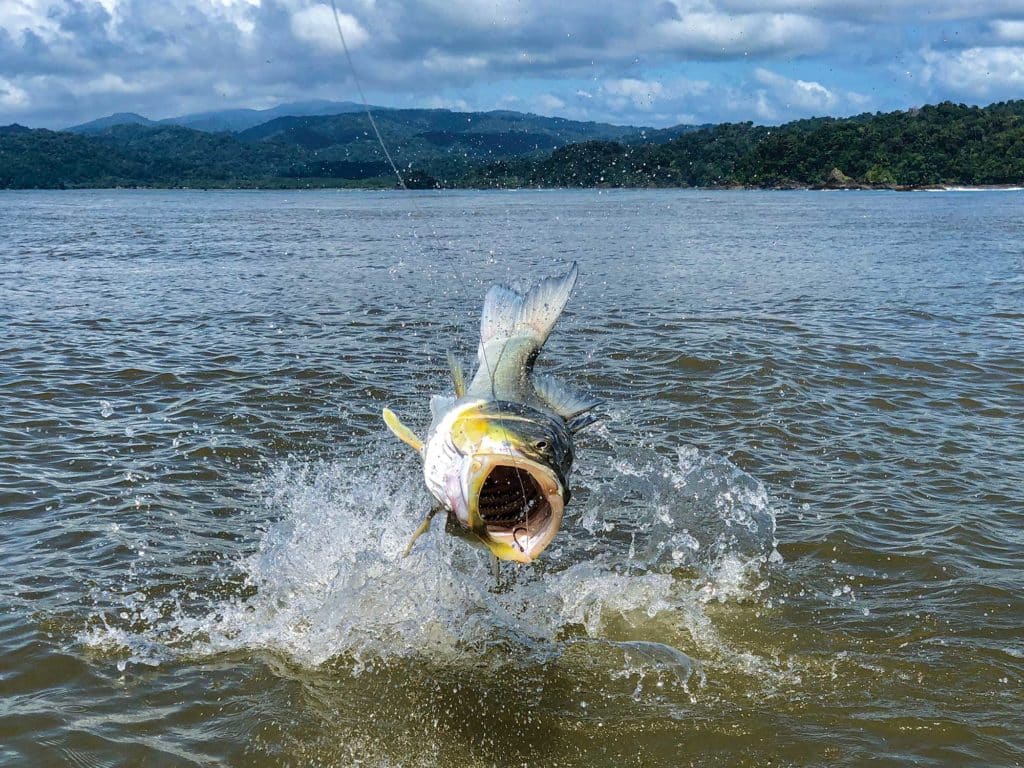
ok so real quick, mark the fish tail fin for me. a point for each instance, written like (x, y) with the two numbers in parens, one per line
(513, 328)
(508, 314)
(501, 308)
(543, 305)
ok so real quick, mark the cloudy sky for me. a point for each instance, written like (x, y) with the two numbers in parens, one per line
(646, 62)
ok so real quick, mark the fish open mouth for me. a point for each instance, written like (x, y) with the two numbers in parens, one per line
(520, 504)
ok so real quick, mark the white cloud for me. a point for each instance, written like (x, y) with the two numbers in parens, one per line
(21, 16)
(482, 14)
(797, 95)
(238, 12)
(1008, 31)
(547, 103)
(316, 25)
(12, 97)
(857, 100)
(439, 102)
(874, 11)
(978, 72)
(765, 109)
(641, 93)
(659, 98)
(775, 98)
(619, 61)
(440, 62)
(109, 83)
(722, 34)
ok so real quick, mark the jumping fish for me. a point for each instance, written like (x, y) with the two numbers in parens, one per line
(498, 453)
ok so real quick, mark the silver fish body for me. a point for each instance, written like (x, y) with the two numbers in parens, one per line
(498, 453)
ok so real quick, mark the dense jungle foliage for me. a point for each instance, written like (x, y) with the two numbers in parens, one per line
(942, 144)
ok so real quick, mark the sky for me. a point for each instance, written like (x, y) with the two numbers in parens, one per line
(640, 62)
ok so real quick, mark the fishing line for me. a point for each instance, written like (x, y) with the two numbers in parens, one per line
(362, 96)
(401, 182)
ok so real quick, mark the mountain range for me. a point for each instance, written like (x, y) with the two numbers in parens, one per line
(938, 144)
(225, 119)
(291, 141)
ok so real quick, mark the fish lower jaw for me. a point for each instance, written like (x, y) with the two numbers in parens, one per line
(518, 506)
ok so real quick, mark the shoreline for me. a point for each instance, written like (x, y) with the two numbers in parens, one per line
(1018, 187)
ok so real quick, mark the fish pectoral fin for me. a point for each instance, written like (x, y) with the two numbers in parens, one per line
(423, 528)
(564, 400)
(458, 377)
(584, 420)
(402, 432)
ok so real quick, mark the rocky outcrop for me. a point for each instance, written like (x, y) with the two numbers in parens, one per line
(836, 179)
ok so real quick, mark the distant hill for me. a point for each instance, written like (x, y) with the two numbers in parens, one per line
(240, 119)
(438, 140)
(663, 135)
(934, 145)
(52, 159)
(942, 144)
(406, 123)
(102, 123)
(230, 120)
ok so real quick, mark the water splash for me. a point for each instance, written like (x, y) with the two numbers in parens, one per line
(653, 542)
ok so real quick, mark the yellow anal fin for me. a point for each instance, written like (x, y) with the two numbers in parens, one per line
(457, 376)
(424, 527)
(402, 432)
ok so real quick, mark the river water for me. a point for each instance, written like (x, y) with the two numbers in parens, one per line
(796, 538)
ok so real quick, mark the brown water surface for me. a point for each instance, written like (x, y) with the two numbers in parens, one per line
(796, 539)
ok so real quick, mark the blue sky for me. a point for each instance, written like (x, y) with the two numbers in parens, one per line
(658, 63)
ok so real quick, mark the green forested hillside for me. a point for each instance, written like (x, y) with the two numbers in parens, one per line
(176, 153)
(133, 155)
(945, 143)
(46, 159)
(292, 151)
(444, 143)
(941, 144)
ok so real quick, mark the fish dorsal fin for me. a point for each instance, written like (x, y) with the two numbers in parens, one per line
(402, 432)
(562, 399)
(458, 378)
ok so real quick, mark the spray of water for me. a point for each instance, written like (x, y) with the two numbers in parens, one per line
(656, 541)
